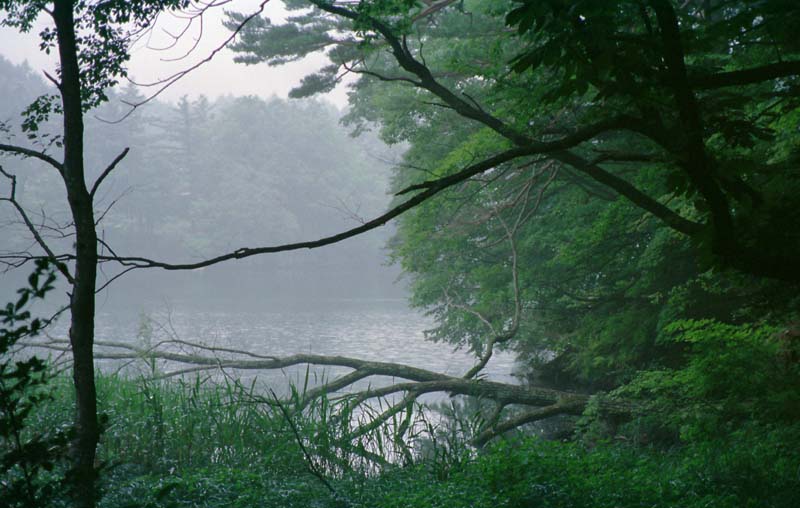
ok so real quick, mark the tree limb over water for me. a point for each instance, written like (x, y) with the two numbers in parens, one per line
(538, 402)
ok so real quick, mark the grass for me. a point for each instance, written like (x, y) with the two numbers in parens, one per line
(176, 444)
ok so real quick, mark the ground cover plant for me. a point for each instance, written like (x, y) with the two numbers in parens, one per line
(173, 443)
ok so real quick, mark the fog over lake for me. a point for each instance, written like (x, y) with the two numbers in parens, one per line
(206, 177)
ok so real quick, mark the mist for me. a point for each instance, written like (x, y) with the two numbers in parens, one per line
(205, 177)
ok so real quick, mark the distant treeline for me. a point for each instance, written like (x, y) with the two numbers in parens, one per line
(209, 176)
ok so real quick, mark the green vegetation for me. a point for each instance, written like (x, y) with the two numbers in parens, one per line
(195, 444)
(606, 172)
(608, 189)
(28, 452)
(721, 431)
(174, 443)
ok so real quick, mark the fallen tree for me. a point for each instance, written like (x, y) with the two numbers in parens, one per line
(514, 405)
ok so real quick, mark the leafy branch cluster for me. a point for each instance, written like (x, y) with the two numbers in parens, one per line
(27, 456)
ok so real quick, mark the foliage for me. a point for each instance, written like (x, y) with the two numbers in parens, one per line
(601, 272)
(171, 440)
(216, 487)
(178, 444)
(754, 467)
(622, 476)
(28, 453)
(106, 29)
(619, 58)
(645, 238)
(732, 375)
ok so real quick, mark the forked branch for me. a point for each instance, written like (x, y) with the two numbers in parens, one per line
(12, 198)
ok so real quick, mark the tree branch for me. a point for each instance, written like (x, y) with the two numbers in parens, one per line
(19, 150)
(164, 83)
(558, 149)
(245, 252)
(38, 237)
(432, 9)
(107, 171)
(534, 415)
(697, 164)
(746, 76)
(417, 382)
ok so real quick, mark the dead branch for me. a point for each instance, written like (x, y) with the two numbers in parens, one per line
(107, 171)
(432, 8)
(415, 382)
(12, 198)
(161, 85)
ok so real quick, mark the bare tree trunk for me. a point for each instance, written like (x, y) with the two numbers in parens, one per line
(82, 302)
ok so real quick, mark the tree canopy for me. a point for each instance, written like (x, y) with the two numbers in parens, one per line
(605, 168)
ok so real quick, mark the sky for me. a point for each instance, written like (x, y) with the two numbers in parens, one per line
(220, 76)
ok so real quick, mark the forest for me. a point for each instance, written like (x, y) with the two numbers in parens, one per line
(607, 192)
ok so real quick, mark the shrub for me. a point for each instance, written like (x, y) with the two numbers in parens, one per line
(28, 455)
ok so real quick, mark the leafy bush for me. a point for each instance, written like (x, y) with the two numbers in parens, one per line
(757, 466)
(213, 487)
(177, 443)
(732, 374)
(214, 453)
(28, 454)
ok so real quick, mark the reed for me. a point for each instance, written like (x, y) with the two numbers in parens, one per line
(177, 424)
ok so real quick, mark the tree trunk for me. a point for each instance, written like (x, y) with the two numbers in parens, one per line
(82, 302)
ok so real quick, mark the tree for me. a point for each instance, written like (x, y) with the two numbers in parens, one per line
(92, 51)
(590, 59)
(678, 113)
(697, 138)
(91, 40)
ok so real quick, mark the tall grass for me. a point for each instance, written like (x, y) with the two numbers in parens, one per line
(168, 425)
(195, 443)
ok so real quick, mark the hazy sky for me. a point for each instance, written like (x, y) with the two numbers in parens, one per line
(218, 77)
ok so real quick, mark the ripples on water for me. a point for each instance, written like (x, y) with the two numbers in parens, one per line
(381, 330)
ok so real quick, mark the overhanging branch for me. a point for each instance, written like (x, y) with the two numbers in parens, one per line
(432, 190)
(558, 149)
(27, 152)
(749, 76)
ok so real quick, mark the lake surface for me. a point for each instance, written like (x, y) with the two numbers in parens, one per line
(382, 330)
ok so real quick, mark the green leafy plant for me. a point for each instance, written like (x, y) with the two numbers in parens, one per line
(28, 457)
(730, 374)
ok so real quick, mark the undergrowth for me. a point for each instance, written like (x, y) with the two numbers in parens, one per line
(178, 444)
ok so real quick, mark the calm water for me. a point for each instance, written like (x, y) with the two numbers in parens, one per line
(385, 330)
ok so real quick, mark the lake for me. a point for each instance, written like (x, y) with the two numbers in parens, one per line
(382, 330)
